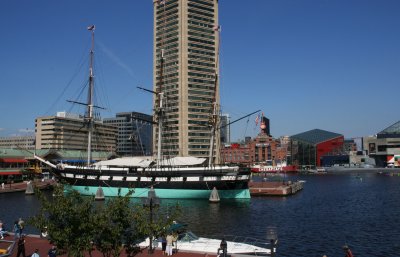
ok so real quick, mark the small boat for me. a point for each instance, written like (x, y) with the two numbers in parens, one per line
(189, 242)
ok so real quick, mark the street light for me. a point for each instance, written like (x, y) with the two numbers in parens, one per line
(151, 201)
(272, 235)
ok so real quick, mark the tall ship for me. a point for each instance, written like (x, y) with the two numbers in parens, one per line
(177, 177)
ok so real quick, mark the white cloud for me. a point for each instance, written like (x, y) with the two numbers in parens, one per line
(117, 60)
(26, 130)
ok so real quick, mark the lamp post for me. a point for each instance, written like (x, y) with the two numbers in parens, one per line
(272, 236)
(151, 201)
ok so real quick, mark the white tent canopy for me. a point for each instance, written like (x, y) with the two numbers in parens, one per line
(183, 161)
(143, 161)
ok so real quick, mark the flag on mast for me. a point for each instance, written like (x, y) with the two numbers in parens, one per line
(91, 27)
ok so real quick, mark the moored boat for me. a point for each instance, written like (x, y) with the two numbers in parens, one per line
(237, 246)
(281, 168)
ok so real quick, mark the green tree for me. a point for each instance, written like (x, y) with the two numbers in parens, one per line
(69, 221)
(77, 225)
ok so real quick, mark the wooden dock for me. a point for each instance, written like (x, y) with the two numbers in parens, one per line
(269, 188)
(21, 186)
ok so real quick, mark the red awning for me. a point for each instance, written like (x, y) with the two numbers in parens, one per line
(10, 172)
(13, 160)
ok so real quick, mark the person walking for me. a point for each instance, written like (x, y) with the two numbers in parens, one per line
(36, 253)
(52, 252)
(163, 244)
(346, 249)
(21, 225)
(1, 230)
(16, 230)
(170, 239)
(21, 246)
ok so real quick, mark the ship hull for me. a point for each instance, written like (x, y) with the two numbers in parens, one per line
(274, 169)
(171, 184)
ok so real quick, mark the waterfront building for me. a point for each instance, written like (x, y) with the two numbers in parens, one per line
(12, 164)
(384, 145)
(25, 142)
(236, 153)
(186, 43)
(66, 131)
(16, 163)
(308, 148)
(262, 149)
(134, 135)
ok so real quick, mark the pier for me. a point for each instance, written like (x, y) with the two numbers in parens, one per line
(21, 186)
(269, 188)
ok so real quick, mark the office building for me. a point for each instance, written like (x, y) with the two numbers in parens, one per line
(67, 131)
(185, 70)
(18, 142)
(134, 136)
(225, 129)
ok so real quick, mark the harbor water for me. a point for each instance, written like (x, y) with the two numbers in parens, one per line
(361, 210)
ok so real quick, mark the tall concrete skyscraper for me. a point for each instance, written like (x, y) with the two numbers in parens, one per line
(186, 43)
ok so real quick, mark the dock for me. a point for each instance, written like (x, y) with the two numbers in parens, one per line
(21, 186)
(272, 188)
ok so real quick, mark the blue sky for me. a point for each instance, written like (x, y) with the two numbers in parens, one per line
(327, 64)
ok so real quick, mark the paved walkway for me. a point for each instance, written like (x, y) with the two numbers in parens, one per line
(33, 242)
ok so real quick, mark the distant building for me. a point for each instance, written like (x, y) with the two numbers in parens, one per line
(236, 153)
(262, 149)
(308, 148)
(225, 129)
(69, 132)
(134, 136)
(384, 145)
(22, 142)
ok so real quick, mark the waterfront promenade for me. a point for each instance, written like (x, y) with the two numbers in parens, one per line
(33, 242)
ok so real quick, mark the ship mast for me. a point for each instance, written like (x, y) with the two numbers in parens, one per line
(213, 121)
(90, 100)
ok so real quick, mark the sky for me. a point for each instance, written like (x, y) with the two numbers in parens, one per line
(306, 64)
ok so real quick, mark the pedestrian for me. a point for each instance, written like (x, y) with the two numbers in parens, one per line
(21, 224)
(52, 252)
(163, 244)
(223, 246)
(21, 246)
(2, 185)
(16, 230)
(170, 239)
(1, 230)
(36, 253)
(346, 249)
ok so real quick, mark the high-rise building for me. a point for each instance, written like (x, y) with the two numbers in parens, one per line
(186, 42)
(134, 133)
(225, 129)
